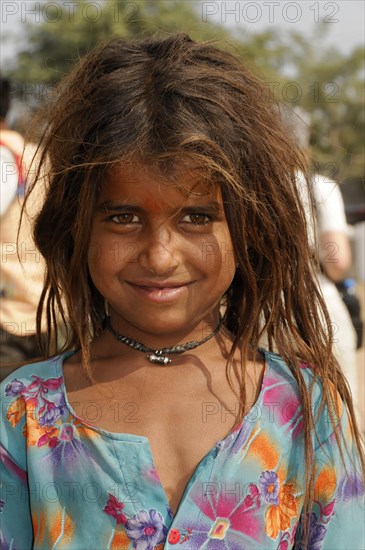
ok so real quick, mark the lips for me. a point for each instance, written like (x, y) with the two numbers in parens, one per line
(158, 284)
(160, 292)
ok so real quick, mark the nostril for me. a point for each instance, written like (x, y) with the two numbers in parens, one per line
(159, 258)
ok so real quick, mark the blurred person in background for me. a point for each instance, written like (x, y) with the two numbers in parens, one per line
(22, 269)
(329, 237)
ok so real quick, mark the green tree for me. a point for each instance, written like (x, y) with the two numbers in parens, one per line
(68, 31)
(330, 86)
(299, 70)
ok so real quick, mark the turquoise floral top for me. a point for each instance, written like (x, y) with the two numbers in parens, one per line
(68, 485)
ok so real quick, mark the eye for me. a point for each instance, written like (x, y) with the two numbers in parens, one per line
(124, 219)
(196, 218)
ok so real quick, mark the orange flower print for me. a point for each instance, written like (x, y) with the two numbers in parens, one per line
(277, 518)
(16, 411)
(37, 435)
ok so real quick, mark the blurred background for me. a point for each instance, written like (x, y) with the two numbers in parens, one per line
(310, 54)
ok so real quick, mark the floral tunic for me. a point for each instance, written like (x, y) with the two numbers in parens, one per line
(68, 485)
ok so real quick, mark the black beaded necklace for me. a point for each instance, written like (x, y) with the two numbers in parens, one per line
(159, 356)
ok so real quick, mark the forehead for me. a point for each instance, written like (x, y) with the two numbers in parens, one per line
(127, 181)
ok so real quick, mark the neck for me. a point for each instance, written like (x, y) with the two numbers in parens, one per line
(207, 332)
(161, 339)
(210, 331)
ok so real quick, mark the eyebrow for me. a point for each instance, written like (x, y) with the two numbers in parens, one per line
(116, 206)
(106, 206)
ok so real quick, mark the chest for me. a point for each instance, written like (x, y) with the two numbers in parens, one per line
(183, 417)
(180, 430)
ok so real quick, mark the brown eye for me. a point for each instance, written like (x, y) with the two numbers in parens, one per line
(124, 218)
(196, 218)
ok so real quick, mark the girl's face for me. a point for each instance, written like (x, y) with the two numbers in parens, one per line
(161, 257)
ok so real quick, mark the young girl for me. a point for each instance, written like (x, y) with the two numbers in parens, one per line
(175, 240)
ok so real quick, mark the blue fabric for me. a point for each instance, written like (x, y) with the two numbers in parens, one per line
(68, 485)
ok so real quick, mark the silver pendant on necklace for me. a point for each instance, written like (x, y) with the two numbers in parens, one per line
(158, 358)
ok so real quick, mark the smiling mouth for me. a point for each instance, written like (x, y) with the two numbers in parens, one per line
(159, 293)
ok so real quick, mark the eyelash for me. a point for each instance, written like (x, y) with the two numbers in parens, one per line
(118, 218)
(207, 217)
(124, 222)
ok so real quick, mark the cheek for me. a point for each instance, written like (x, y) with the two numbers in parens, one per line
(228, 268)
(108, 257)
(94, 246)
(93, 254)
(93, 263)
(228, 260)
(96, 254)
(218, 257)
(100, 259)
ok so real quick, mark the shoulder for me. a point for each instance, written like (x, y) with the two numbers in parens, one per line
(13, 140)
(325, 188)
(285, 390)
(24, 391)
(32, 396)
(6, 155)
(24, 375)
(329, 204)
(279, 372)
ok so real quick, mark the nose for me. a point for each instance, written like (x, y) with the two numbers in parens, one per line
(159, 253)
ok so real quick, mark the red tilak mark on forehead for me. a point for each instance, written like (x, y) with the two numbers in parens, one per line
(152, 205)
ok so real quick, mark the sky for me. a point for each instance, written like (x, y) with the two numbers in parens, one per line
(344, 19)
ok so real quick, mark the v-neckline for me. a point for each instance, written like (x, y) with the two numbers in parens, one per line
(133, 438)
(198, 469)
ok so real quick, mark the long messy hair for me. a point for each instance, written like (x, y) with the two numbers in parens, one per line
(167, 101)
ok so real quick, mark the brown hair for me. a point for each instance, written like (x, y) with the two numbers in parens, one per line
(173, 99)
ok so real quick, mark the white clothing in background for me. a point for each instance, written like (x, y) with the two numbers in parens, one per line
(330, 217)
(9, 178)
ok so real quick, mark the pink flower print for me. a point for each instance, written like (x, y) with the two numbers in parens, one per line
(152, 475)
(40, 386)
(49, 410)
(114, 508)
(326, 512)
(252, 499)
(226, 516)
(288, 413)
(49, 438)
(285, 541)
(67, 433)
